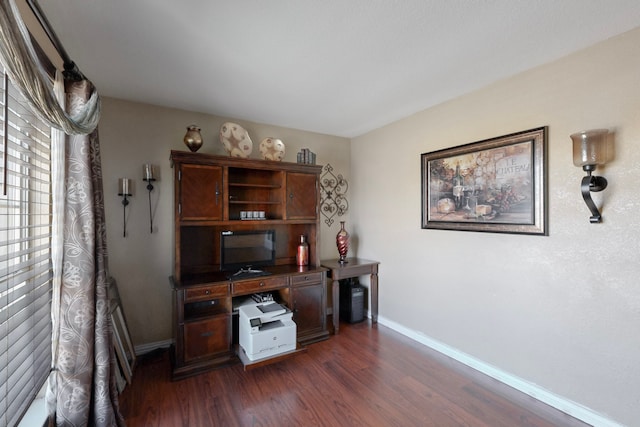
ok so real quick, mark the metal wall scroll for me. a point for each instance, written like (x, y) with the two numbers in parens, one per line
(333, 199)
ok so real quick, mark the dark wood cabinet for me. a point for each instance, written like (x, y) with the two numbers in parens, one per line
(211, 194)
(301, 196)
(199, 192)
(207, 337)
(309, 316)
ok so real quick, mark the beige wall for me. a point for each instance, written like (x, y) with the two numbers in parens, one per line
(561, 312)
(132, 134)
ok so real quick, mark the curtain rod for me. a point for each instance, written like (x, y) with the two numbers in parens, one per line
(71, 70)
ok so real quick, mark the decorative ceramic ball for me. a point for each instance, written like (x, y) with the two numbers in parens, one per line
(236, 140)
(272, 149)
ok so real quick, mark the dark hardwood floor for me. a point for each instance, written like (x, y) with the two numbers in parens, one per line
(365, 376)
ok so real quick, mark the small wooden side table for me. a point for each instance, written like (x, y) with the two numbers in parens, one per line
(353, 267)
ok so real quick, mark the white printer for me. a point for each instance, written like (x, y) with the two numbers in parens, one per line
(266, 330)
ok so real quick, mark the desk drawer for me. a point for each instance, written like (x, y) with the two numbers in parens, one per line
(304, 279)
(207, 337)
(258, 285)
(206, 292)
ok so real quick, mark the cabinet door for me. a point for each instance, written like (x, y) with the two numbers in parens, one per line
(302, 196)
(200, 192)
(308, 313)
(206, 337)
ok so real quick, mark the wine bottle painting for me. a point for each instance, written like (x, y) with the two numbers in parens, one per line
(486, 184)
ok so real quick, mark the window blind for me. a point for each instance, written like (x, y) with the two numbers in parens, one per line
(25, 254)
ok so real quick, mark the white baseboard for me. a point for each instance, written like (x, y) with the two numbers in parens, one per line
(149, 347)
(569, 407)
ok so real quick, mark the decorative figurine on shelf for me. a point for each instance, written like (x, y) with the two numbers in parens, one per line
(236, 140)
(193, 138)
(342, 241)
(272, 149)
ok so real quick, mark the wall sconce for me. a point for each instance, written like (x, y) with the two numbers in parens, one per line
(589, 151)
(124, 188)
(148, 175)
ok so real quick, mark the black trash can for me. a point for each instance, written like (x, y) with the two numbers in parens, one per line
(351, 300)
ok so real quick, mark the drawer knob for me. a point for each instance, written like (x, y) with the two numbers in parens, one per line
(261, 283)
(207, 292)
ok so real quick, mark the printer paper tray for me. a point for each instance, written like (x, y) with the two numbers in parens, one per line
(252, 364)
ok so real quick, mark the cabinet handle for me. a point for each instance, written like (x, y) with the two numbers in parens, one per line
(217, 193)
(207, 334)
(291, 196)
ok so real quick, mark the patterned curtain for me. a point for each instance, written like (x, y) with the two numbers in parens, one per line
(23, 66)
(82, 389)
(84, 359)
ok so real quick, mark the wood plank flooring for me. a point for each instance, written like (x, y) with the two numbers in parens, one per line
(365, 376)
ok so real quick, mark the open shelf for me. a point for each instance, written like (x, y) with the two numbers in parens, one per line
(253, 364)
(264, 186)
(202, 309)
(252, 202)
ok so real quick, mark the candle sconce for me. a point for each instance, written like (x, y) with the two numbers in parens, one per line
(149, 176)
(590, 149)
(124, 188)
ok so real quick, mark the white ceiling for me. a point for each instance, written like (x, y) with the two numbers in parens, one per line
(339, 67)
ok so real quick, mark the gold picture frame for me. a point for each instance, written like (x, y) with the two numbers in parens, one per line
(497, 185)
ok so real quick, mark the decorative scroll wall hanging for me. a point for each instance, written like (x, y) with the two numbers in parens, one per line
(333, 199)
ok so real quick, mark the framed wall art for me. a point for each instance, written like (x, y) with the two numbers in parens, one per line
(496, 185)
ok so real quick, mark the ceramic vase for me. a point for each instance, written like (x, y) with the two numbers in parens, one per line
(342, 241)
(193, 138)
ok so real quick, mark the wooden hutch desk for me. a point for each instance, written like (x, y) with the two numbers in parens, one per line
(212, 196)
(354, 267)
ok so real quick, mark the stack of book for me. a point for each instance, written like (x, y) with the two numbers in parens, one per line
(307, 156)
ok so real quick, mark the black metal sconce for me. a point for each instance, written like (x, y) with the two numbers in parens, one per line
(124, 188)
(589, 151)
(149, 176)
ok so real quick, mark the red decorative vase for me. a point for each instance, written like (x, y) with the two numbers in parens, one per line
(342, 241)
